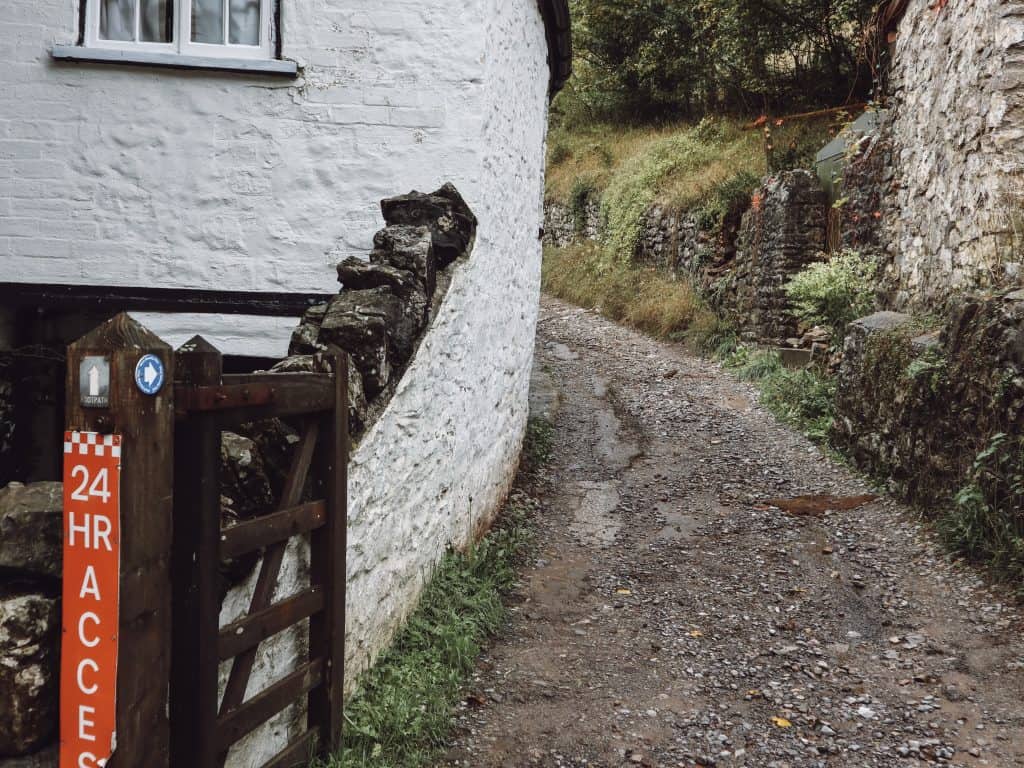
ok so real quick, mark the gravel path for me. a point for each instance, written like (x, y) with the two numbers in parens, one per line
(674, 618)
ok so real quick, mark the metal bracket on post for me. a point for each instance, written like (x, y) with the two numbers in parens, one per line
(119, 396)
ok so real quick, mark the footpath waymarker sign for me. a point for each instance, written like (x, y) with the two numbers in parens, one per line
(90, 606)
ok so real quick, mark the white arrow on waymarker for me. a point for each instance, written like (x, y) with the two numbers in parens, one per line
(94, 382)
(149, 375)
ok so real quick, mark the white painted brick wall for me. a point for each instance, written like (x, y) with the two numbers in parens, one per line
(181, 179)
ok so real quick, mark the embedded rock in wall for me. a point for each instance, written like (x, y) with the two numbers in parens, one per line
(918, 407)
(410, 249)
(385, 304)
(29, 626)
(452, 224)
(782, 233)
(31, 519)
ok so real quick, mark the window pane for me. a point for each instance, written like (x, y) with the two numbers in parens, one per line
(208, 21)
(245, 22)
(117, 19)
(157, 20)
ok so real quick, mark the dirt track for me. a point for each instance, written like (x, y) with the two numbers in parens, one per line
(674, 618)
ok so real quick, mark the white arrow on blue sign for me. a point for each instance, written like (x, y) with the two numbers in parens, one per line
(149, 375)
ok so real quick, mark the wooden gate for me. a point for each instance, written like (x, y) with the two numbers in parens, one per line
(204, 725)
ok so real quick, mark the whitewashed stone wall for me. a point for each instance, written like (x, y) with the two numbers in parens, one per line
(164, 178)
(434, 468)
(958, 126)
(156, 177)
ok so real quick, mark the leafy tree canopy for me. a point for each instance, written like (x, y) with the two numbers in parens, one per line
(643, 60)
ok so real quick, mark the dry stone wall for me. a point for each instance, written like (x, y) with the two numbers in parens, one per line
(741, 266)
(917, 405)
(783, 232)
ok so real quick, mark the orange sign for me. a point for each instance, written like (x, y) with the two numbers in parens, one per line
(92, 557)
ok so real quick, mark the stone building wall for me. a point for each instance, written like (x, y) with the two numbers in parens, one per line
(957, 128)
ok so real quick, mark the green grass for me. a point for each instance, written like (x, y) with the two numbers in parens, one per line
(803, 398)
(647, 299)
(539, 444)
(401, 714)
(985, 523)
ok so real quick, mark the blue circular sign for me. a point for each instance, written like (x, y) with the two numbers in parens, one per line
(149, 375)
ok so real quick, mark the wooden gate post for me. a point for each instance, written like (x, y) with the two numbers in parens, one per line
(197, 557)
(146, 425)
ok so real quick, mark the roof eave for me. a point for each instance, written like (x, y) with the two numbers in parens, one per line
(558, 24)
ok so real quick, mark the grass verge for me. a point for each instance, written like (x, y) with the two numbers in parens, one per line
(401, 714)
(803, 398)
(647, 299)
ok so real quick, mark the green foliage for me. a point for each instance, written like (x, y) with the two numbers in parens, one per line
(649, 60)
(583, 189)
(711, 334)
(834, 292)
(986, 523)
(633, 190)
(401, 714)
(727, 201)
(559, 153)
(929, 369)
(803, 398)
(538, 444)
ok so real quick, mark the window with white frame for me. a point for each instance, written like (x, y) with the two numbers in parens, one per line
(217, 28)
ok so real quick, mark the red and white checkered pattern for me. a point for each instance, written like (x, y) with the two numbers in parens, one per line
(84, 443)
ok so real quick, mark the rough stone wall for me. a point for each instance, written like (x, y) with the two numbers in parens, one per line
(674, 239)
(917, 407)
(867, 187)
(782, 233)
(147, 176)
(958, 122)
(564, 227)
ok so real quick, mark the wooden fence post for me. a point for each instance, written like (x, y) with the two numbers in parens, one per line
(196, 579)
(328, 562)
(146, 425)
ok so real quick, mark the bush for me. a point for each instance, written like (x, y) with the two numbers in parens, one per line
(583, 188)
(986, 523)
(834, 293)
(559, 153)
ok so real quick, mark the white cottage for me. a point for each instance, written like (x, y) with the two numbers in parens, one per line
(229, 153)
(242, 146)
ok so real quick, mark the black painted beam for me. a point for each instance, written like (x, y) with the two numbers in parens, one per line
(95, 298)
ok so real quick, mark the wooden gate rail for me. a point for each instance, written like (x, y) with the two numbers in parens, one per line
(206, 403)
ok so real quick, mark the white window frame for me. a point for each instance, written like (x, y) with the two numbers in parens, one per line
(182, 34)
